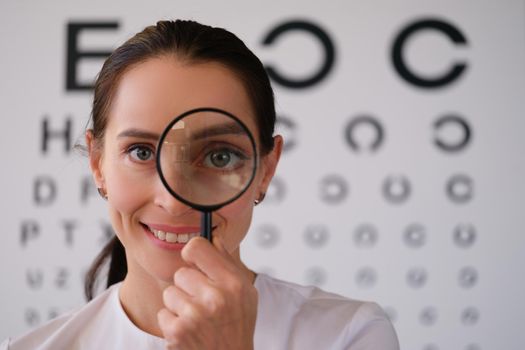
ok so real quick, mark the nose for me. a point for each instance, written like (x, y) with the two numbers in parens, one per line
(168, 202)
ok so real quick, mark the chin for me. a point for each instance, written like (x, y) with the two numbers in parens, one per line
(161, 269)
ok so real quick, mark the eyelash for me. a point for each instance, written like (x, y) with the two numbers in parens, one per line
(241, 157)
(135, 147)
(129, 152)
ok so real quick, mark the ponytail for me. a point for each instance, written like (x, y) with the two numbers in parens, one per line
(114, 250)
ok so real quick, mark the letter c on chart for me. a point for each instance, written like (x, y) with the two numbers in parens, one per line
(400, 65)
(462, 141)
(357, 123)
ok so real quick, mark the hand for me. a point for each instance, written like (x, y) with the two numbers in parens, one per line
(212, 304)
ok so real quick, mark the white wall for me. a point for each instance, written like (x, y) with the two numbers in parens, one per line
(442, 292)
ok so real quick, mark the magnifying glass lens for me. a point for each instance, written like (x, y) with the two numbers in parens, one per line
(207, 158)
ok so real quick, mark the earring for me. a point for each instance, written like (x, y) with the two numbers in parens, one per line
(102, 193)
(260, 199)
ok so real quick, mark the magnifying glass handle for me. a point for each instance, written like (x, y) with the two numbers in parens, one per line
(206, 225)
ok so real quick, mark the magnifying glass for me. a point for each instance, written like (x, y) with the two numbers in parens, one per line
(206, 158)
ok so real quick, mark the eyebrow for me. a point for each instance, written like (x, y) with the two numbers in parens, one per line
(216, 130)
(139, 134)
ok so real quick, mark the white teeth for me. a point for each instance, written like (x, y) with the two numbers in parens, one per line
(173, 237)
(182, 238)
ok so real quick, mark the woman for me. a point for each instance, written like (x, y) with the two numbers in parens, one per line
(167, 288)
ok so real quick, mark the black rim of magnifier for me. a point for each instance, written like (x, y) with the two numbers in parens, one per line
(205, 208)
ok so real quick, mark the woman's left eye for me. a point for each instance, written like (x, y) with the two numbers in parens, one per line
(224, 159)
(140, 153)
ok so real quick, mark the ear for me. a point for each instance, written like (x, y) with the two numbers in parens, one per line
(269, 164)
(95, 159)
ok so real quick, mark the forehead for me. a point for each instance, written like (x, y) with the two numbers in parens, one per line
(154, 92)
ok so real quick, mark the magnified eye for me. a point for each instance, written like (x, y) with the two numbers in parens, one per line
(224, 158)
(140, 153)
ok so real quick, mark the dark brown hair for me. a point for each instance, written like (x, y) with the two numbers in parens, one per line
(195, 43)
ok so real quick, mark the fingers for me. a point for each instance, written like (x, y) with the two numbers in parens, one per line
(213, 260)
(193, 282)
(211, 304)
(193, 295)
(176, 300)
(178, 332)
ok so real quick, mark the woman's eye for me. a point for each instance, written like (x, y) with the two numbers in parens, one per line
(141, 153)
(224, 159)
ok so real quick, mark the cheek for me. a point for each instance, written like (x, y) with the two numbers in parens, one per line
(127, 192)
(237, 217)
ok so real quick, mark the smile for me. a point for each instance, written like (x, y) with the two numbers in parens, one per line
(171, 237)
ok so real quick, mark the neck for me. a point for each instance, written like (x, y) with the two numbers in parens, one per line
(141, 299)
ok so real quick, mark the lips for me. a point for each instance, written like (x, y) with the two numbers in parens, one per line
(171, 237)
(167, 235)
(172, 234)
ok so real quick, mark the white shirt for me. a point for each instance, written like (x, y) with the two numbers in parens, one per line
(289, 317)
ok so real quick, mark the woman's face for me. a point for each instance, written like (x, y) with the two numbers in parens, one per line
(149, 96)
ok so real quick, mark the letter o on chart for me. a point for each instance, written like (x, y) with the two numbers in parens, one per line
(467, 277)
(320, 35)
(428, 316)
(333, 189)
(464, 235)
(276, 191)
(316, 236)
(316, 276)
(366, 277)
(460, 189)
(267, 236)
(396, 189)
(415, 236)
(417, 277)
(470, 316)
(365, 236)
